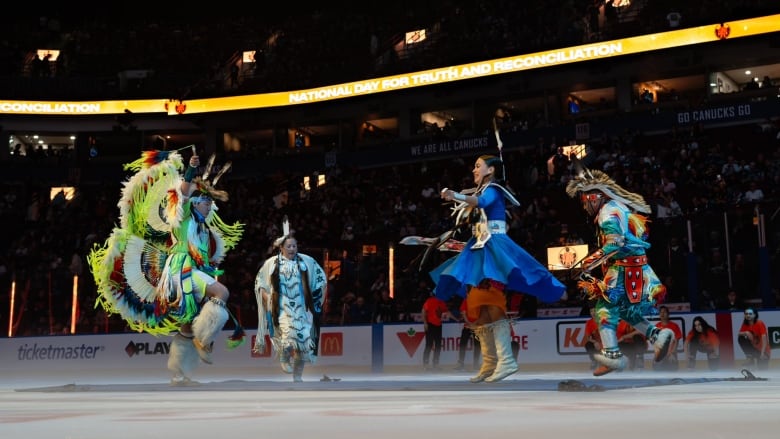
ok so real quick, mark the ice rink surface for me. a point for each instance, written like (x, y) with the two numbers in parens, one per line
(625, 405)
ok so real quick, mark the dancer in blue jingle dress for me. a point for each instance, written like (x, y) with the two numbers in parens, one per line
(490, 266)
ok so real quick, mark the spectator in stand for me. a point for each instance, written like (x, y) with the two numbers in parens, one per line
(346, 304)
(385, 310)
(647, 96)
(731, 167)
(380, 283)
(558, 163)
(667, 184)
(670, 361)
(359, 311)
(46, 66)
(674, 18)
(732, 302)
(754, 340)
(429, 193)
(754, 194)
(664, 210)
(702, 338)
(633, 344)
(347, 234)
(234, 71)
(433, 311)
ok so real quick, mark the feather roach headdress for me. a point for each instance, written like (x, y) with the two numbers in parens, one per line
(589, 180)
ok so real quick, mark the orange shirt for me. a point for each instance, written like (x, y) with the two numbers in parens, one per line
(709, 339)
(678, 335)
(758, 329)
(467, 318)
(623, 329)
(433, 308)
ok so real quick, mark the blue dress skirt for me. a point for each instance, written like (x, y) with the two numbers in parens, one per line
(501, 260)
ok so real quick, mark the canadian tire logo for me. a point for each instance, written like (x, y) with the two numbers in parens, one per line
(411, 340)
(332, 344)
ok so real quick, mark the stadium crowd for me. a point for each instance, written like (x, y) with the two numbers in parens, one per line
(353, 219)
(189, 54)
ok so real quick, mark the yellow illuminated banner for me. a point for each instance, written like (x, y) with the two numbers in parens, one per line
(70, 108)
(557, 57)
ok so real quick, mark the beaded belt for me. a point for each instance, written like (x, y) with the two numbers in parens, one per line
(497, 226)
(631, 261)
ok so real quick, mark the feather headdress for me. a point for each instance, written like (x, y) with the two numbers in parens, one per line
(151, 158)
(589, 180)
(285, 232)
(203, 184)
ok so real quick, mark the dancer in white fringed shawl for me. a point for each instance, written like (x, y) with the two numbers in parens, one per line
(290, 289)
(158, 268)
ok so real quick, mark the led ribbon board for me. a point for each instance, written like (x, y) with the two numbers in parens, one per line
(499, 66)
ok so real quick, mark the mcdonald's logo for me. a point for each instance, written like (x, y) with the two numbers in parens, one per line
(332, 344)
(266, 352)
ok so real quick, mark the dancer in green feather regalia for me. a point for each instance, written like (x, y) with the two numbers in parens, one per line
(158, 267)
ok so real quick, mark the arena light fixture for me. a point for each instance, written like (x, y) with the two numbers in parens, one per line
(48, 54)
